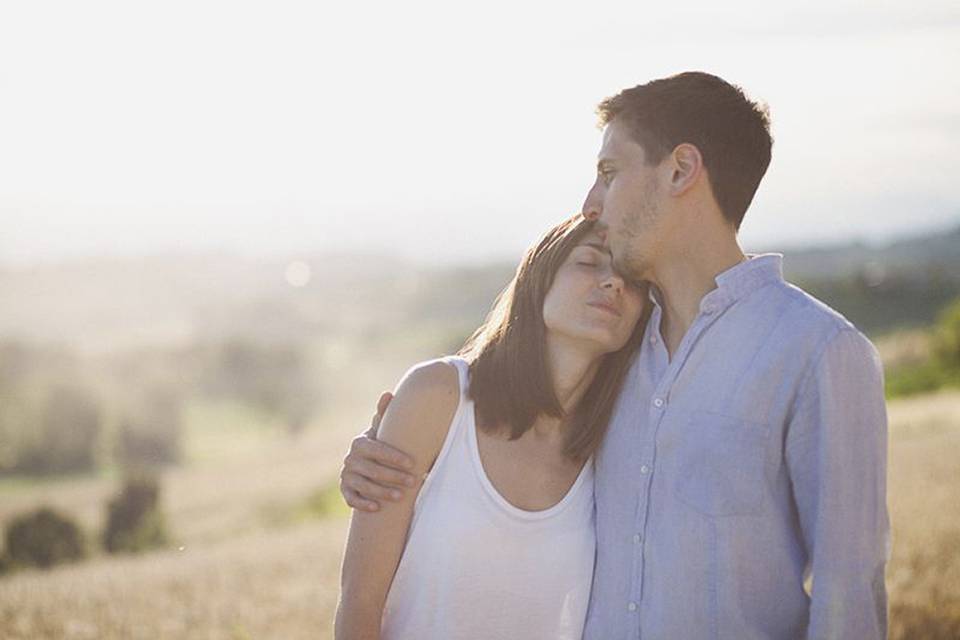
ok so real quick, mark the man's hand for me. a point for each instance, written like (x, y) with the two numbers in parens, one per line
(373, 470)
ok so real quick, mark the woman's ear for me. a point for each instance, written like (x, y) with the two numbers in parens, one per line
(686, 165)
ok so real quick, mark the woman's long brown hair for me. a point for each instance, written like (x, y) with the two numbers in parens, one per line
(510, 383)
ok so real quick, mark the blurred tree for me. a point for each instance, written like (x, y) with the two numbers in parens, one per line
(14, 416)
(274, 378)
(62, 436)
(50, 419)
(946, 337)
(15, 359)
(135, 520)
(150, 430)
(43, 538)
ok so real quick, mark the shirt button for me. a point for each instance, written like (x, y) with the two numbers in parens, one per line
(637, 538)
(644, 469)
(632, 606)
(658, 402)
(653, 339)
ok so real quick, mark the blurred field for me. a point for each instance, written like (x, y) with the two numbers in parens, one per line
(249, 560)
(250, 568)
(924, 494)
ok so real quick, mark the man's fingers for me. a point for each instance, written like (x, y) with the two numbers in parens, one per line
(353, 499)
(382, 405)
(369, 490)
(378, 473)
(379, 452)
(383, 402)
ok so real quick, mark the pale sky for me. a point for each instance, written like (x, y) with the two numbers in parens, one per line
(439, 131)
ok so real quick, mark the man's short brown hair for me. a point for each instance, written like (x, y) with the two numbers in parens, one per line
(731, 131)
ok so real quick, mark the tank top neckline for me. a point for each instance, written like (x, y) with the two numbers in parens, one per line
(495, 495)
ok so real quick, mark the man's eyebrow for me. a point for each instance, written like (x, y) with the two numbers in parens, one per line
(604, 163)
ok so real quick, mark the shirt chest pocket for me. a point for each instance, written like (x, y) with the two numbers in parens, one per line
(721, 461)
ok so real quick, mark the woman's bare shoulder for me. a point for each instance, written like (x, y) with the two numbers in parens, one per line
(419, 416)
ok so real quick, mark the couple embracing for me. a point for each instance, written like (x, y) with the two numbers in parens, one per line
(652, 435)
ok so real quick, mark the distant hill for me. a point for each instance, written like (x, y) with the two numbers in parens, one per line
(881, 288)
(915, 257)
(109, 303)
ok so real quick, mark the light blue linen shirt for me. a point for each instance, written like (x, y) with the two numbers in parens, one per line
(751, 460)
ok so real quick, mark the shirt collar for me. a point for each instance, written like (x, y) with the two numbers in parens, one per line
(746, 277)
(738, 281)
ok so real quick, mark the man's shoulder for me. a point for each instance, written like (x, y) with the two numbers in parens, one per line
(810, 312)
(810, 330)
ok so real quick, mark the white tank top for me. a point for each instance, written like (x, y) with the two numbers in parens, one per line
(475, 567)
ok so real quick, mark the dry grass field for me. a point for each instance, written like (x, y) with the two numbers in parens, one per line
(241, 569)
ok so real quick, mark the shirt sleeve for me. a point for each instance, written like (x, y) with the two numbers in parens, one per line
(836, 455)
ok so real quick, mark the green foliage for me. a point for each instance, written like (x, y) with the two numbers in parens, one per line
(894, 302)
(943, 367)
(323, 502)
(135, 520)
(905, 381)
(946, 337)
(326, 502)
(43, 538)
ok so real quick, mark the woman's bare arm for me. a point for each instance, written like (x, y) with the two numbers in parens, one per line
(373, 471)
(417, 421)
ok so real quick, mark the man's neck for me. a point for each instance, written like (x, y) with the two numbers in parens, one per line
(684, 278)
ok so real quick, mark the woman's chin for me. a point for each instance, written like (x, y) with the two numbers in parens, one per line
(601, 341)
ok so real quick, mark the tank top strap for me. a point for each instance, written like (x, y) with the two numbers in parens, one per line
(456, 431)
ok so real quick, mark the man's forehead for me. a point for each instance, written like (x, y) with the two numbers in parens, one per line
(617, 142)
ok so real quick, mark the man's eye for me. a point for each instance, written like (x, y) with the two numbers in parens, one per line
(606, 175)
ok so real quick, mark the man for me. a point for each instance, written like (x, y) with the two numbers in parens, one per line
(747, 452)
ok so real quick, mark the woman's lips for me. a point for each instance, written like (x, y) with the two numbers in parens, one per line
(606, 307)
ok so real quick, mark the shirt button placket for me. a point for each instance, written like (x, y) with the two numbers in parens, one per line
(646, 471)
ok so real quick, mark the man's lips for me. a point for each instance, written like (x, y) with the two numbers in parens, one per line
(606, 307)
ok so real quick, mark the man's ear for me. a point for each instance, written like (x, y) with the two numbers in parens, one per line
(686, 166)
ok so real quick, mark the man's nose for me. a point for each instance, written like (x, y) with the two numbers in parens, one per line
(592, 206)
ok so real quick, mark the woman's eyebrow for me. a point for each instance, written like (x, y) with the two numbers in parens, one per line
(594, 245)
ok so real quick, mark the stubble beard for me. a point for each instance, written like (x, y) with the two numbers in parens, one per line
(635, 260)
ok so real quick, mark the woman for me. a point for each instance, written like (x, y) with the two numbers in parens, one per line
(499, 540)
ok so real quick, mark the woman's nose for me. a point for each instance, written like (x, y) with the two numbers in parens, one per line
(613, 282)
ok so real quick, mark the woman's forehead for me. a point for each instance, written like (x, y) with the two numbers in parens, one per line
(595, 240)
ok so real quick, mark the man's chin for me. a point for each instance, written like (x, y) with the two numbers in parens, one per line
(629, 269)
